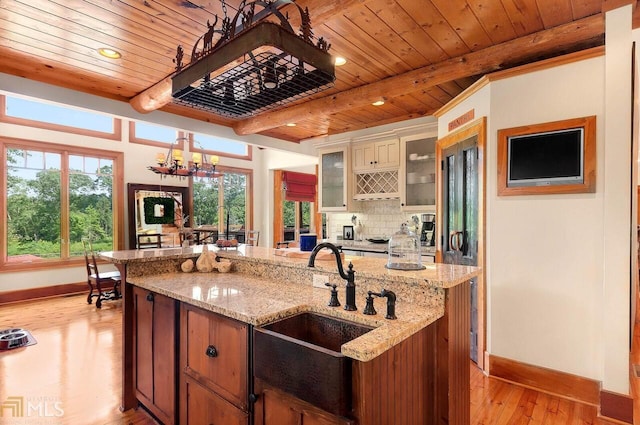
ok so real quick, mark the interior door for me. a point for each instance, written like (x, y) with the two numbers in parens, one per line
(460, 221)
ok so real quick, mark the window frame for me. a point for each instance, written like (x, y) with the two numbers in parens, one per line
(65, 151)
(115, 135)
(249, 196)
(177, 143)
(193, 148)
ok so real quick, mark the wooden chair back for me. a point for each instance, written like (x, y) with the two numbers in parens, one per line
(90, 259)
(253, 237)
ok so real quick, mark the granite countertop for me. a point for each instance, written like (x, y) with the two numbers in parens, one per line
(259, 301)
(436, 274)
(266, 287)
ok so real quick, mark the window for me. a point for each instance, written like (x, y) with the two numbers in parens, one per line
(55, 196)
(224, 200)
(296, 218)
(38, 114)
(216, 146)
(155, 135)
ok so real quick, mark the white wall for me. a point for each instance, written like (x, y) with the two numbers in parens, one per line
(553, 299)
(545, 252)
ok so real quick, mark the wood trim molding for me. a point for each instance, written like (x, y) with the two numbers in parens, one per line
(278, 221)
(550, 381)
(7, 297)
(616, 406)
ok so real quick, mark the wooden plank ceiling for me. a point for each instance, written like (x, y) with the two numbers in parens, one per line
(415, 54)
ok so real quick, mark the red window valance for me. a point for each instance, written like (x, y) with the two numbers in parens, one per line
(299, 186)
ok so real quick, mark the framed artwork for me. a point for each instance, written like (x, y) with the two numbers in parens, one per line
(347, 233)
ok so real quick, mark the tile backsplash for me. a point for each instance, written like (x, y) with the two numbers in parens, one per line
(378, 218)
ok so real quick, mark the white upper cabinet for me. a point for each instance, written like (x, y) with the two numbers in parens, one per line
(418, 174)
(335, 177)
(376, 156)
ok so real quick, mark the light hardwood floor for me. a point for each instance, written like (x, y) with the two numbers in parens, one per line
(76, 363)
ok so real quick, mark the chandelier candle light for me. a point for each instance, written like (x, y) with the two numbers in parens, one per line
(172, 164)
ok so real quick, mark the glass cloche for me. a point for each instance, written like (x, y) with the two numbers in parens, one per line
(404, 250)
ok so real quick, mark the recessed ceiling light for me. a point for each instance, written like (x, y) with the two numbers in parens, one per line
(291, 124)
(109, 53)
(339, 61)
(378, 103)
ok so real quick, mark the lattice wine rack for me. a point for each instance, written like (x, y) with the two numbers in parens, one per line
(378, 185)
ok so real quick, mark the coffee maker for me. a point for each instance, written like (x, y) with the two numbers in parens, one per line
(428, 231)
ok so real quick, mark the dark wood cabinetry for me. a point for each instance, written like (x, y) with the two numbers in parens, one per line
(154, 352)
(422, 380)
(274, 407)
(214, 366)
(200, 405)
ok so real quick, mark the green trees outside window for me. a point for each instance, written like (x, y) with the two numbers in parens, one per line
(214, 199)
(53, 200)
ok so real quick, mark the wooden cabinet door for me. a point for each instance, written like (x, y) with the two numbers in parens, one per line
(215, 353)
(275, 407)
(154, 353)
(204, 407)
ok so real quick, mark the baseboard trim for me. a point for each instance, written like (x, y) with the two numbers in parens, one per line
(44, 292)
(616, 406)
(550, 381)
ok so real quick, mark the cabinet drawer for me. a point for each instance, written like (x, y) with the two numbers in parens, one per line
(214, 353)
(203, 406)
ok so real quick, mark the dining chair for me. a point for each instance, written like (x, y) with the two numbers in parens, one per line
(96, 280)
(253, 237)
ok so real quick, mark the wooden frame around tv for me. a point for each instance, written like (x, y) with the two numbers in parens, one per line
(589, 172)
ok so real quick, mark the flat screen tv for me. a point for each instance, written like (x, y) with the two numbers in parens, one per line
(545, 159)
(548, 158)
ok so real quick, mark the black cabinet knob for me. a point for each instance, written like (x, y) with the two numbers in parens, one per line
(253, 398)
(211, 351)
(150, 297)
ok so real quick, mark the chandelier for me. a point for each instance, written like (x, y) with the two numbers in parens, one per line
(172, 164)
(248, 65)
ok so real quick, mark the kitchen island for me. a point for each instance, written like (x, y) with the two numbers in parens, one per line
(433, 319)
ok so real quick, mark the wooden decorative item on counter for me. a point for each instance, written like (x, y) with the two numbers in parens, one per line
(207, 260)
(224, 266)
(187, 266)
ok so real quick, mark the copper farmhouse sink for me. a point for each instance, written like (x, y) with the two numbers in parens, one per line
(301, 356)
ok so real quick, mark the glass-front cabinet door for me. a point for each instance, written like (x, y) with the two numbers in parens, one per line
(334, 179)
(418, 179)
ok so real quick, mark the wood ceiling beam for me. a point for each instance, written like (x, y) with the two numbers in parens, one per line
(481, 62)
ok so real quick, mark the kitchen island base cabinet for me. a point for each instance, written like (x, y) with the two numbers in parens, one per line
(203, 406)
(274, 407)
(214, 368)
(154, 352)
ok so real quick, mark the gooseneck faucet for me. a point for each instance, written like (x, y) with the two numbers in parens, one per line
(350, 304)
